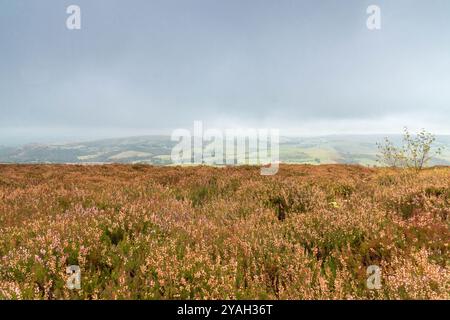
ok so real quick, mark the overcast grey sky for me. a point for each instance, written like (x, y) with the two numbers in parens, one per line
(141, 66)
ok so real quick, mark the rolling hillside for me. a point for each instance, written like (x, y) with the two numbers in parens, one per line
(156, 150)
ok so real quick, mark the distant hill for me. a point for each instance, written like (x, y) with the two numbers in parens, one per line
(349, 149)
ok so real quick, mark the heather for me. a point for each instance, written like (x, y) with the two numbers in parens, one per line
(144, 232)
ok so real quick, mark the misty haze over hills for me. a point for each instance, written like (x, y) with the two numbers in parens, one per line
(156, 150)
(162, 64)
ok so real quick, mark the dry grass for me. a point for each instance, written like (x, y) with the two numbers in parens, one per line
(141, 232)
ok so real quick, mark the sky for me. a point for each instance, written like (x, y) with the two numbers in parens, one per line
(307, 67)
